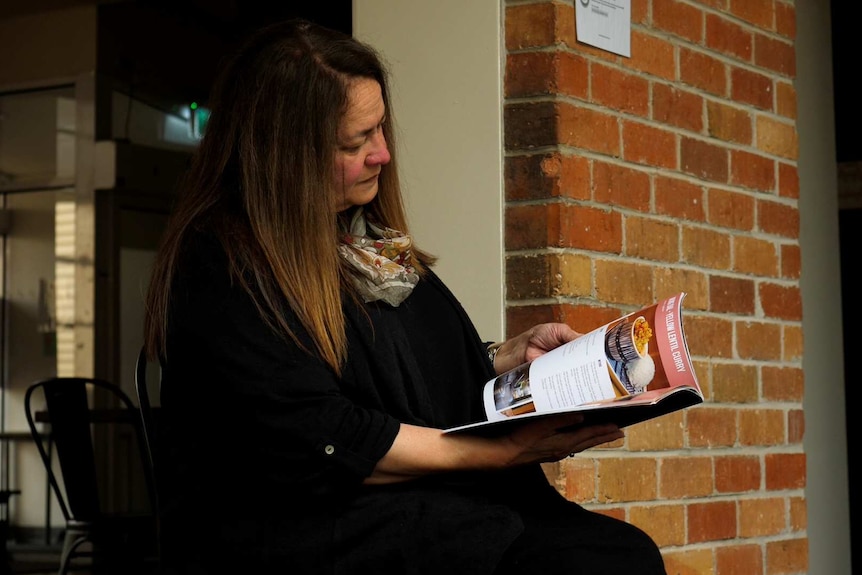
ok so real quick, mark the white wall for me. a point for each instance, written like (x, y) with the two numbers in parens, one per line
(445, 60)
(825, 429)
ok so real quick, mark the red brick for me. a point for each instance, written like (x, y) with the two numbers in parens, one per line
(785, 99)
(591, 229)
(785, 19)
(757, 12)
(728, 37)
(711, 427)
(785, 471)
(619, 90)
(546, 73)
(776, 55)
(761, 517)
(680, 19)
(737, 473)
(795, 426)
(782, 302)
(778, 219)
(788, 180)
(791, 261)
(546, 176)
(731, 295)
(679, 199)
(750, 87)
(677, 107)
(709, 336)
(703, 71)
(761, 427)
(782, 383)
(729, 123)
(752, 171)
(689, 561)
(584, 128)
(652, 55)
(540, 24)
(730, 209)
(649, 145)
(712, 521)
(793, 343)
(619, 185)
(664, 523)
(530, 125)
(739, 560)
(758, 341)
(683, 477)
(704, 160)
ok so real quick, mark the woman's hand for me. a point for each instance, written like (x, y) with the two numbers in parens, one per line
(553, 438)
(531, 344)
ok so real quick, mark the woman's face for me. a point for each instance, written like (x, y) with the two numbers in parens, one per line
(362, 150)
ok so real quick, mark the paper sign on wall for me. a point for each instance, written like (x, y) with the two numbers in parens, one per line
(605, 24)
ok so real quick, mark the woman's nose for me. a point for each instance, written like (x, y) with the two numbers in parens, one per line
(380, 153)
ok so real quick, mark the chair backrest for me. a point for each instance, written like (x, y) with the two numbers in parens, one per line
(70, 414)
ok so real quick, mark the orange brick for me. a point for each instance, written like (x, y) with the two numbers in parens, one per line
(671, 280)
(785, 99)
(782, 302)
(774, 54)
(619, 90)
(795, 426)
(711, 426)
(778, 219)
(787, 556)
(649, 145)
(706, 248)
(659, 434)
(793, 343)
(547, 275)
(730, 209)
(652, 239)
(739, 560)
(761, 517)
(674, 106)
(752, 171)
(546, 176)
(618, 185)
(759, 341)
(757, 12)
(712, 521)
(664, 523)
(622, 282)
(686, 477)
(689, 562)
(731, 295)
(782, 383)
(754, 256)
(763, 427)
(791, 261)
(777, 137)
(554, 225)
(539, 24)
(750, 87)
(785, 471)
(737, 474)
(652, 55)
(627, 479)
(580, 479)
(679, 19)
(709, 336)
(728, 37)
(788, 180)
(582, 318)
(591, 229)
(703, 71)
(704, 160)
(798, 514)
(602, 135)
(729, 123)
(734, 383)
(679, 199)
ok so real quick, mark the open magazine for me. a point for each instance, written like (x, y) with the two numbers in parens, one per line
(632, 369)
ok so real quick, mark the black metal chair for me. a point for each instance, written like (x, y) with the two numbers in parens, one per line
(116, 534)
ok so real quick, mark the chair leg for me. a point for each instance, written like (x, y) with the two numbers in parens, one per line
(70, 545)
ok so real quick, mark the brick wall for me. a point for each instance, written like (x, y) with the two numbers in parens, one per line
(628, 179)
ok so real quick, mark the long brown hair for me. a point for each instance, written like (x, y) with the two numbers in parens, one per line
(261, 181)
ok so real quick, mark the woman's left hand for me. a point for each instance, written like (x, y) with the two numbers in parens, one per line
(529, 345)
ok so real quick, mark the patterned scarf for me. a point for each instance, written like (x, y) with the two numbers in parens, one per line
(381, 258)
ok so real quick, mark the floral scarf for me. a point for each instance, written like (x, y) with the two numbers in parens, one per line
(381, 258)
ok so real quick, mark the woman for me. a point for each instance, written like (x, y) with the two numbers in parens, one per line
(311, 356)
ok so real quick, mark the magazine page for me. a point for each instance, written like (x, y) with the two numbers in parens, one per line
(636, 360)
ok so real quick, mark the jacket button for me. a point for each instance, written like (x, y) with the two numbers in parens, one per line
(329, 450)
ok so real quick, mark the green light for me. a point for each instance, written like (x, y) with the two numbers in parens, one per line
(193, 106)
